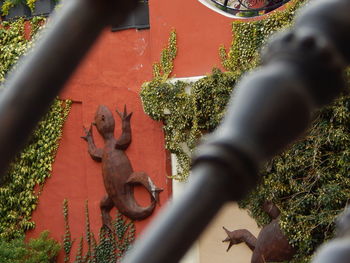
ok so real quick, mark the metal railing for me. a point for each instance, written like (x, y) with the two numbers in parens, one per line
(302, 70)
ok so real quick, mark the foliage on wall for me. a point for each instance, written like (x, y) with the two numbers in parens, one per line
(188, 109)
(19, 192)
(42, 249)
(21, 186)
(13, 42)
(112, 243)
(8, 4)
(67, 238)
(309, 182)
(12, 45)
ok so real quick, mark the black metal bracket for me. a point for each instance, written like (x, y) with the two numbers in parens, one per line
(138, 19)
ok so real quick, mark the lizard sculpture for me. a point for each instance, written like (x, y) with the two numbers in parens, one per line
(118, 175)
(270, 246)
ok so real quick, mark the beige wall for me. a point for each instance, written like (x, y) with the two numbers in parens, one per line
(211, 247)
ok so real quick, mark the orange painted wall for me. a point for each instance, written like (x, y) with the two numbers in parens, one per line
(112, 74)
(200, 30)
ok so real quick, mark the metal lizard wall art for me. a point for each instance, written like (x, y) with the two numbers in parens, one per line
(270, 246)
(118, 175)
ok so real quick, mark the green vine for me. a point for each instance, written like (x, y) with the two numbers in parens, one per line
(112, 245)
(125, 234)
(18, 197)
(79, 255)
(67, 239)
(88, 233)
(31, 4)
(8, 4)
(309, 183)
(106, 249)
(13, 44)
(189, 109)
(163, 69)
(185, 108)
(249, 37)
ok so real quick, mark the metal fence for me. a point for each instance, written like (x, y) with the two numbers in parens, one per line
(302, 70)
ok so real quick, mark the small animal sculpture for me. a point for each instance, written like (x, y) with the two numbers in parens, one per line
(270, 246)
(118, 175)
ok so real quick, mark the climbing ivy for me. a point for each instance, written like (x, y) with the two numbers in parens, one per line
(21, 186)
(112, 244)
(187, 114)
(13, 41)
(189, 109)
(8, 4)
(67, 239)
(18, 197)
(12, 45)
(249, 37)
(309, 183)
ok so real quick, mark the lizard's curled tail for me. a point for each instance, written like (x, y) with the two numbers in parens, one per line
(131, 208)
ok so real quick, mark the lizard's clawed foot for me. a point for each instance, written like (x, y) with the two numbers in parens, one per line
(88, 133)
(124, 115)
(232, 241)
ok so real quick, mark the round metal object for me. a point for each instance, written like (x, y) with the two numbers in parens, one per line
(248, 7)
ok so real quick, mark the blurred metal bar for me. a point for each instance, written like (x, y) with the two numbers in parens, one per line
(303, 70)
(31, 88)
(184, 220)
(337, 250)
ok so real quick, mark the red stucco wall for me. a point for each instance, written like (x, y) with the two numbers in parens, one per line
(112, 74)
(201, 31)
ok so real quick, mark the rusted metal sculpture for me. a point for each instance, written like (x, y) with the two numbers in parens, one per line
(118, 175)
(270, 246)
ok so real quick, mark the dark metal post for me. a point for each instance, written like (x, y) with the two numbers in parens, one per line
(303, 69)
(40, 76)
(179, 224)
(337, 250)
